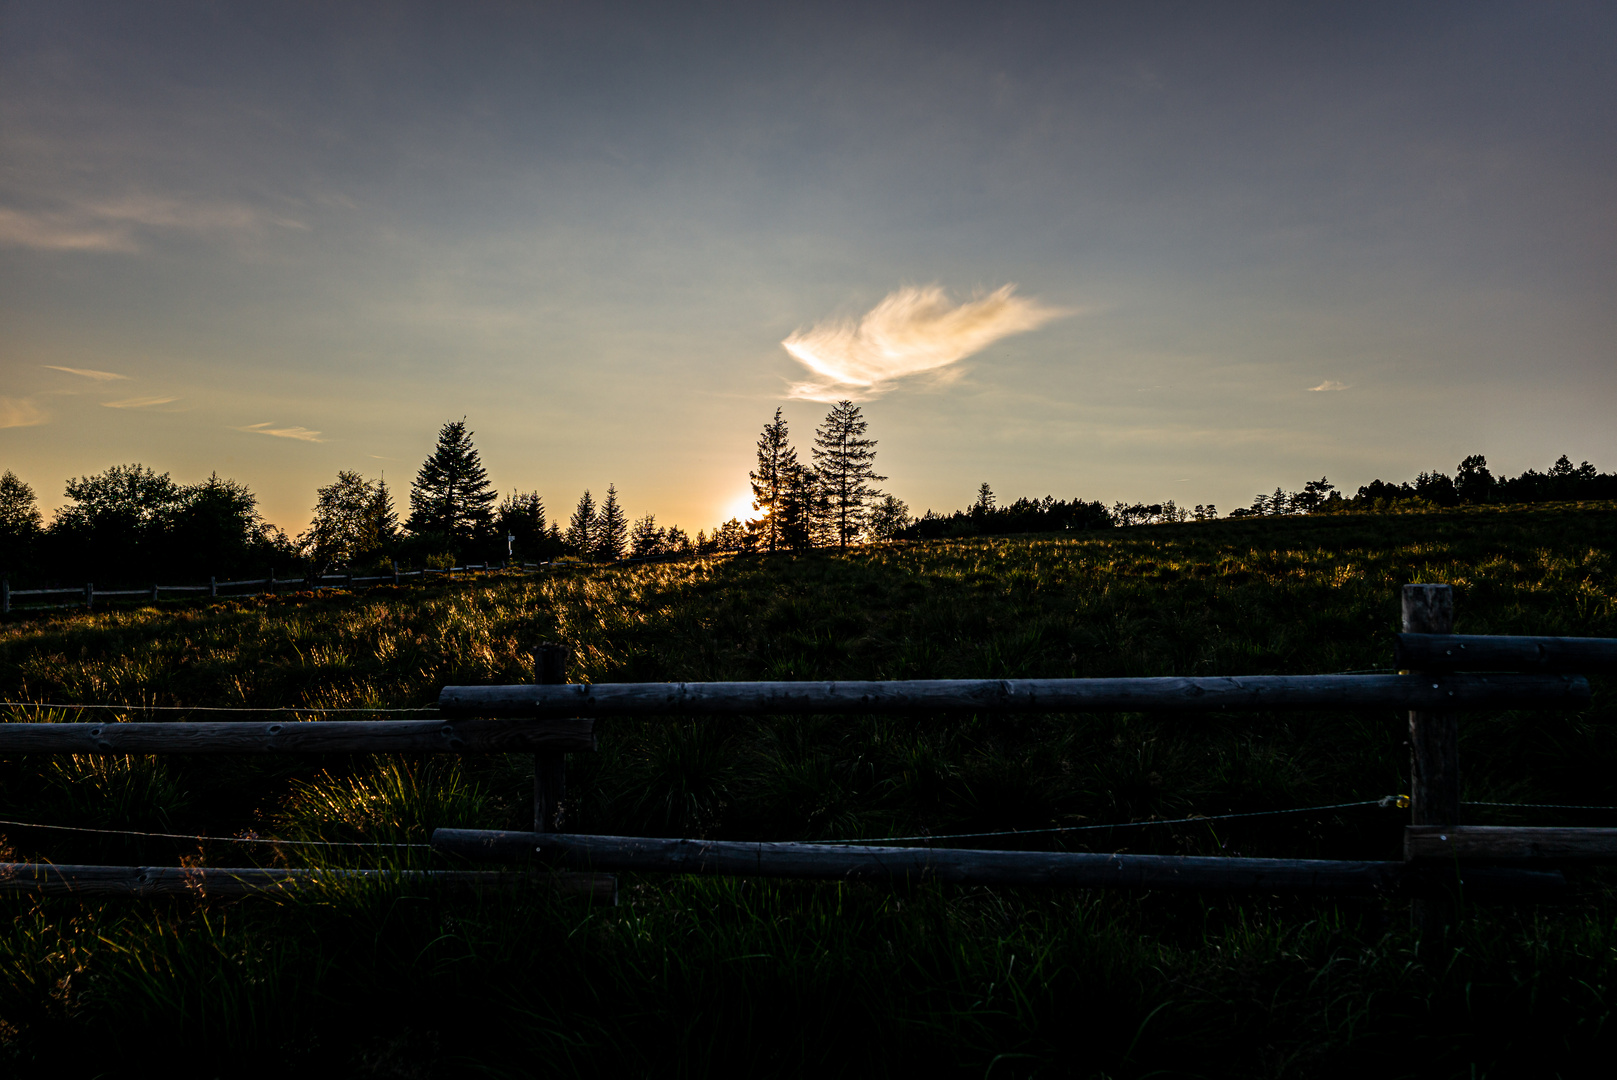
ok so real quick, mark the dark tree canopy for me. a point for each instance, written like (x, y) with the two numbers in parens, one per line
(777, 464)
(846, 463)
(580, 537)
(611, 528)
(451, 497)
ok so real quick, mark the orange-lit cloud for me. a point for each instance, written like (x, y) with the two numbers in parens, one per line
(20, 412)
(88, 373)
(302, 433)
(1328, 384)
(137, 402)
(914, 331)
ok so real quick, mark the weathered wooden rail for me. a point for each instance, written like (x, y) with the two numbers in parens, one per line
(551, 718)
(1254, 692)
(967, 865)
(1446, 673)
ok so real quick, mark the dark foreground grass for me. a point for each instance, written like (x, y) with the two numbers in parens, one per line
(701, 976)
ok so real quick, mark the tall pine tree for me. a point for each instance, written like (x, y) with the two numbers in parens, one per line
(580, 537)
(777, 462)
(451, 496)
(611, 528)
(846, 463)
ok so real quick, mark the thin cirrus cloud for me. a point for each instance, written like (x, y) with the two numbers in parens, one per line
(914, 331)
(137, 402)
(87, 373)
(1327, 385)
(302, 433)
(20, 412)
(112, 225)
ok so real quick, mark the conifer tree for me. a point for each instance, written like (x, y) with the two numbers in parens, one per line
(382, 520)
(646, 539)
(801, 509)
(777, 461)
(846, 463)
(580, 536)
(451, 496)
(611, 528)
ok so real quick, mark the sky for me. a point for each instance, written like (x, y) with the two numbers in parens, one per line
(1100, 251)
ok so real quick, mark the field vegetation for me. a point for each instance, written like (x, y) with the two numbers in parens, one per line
(697, 976)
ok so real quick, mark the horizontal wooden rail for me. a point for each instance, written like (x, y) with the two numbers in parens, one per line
(456, 736)
(1510, 843)
(963, 865)
(1258, 692)
(1488, 652)
(55, 879)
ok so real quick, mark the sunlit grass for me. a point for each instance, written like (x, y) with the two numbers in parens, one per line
(702, 976)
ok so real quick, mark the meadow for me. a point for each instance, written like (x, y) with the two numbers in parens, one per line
(694, 976)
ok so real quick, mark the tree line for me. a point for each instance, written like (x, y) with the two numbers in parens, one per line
(133, 524)
(1473, 484)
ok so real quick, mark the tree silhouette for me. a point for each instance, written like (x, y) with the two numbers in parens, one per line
(776, 463)
(890, 517)
(345, 522)
(611, 528)
(985, 500)
(451, 495)
(646, 539)
(580, 536)
(845, 461)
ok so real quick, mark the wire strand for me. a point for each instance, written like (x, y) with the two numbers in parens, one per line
(1387, 801)
(217, 839)
(218, 708)
(1540, 805)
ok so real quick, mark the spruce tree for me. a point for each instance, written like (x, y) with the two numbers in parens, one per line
(580, 536)
(846, 463)
(382, 520)
(646, 539)
(611, 528)
(451, 496)
(777, 461)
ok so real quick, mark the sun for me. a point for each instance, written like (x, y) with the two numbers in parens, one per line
(739, 507)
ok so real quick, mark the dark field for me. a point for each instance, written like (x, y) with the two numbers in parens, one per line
(700, 976)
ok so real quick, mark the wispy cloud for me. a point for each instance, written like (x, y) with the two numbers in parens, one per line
(59, 232)
(137, 402)
(914, 331)
(20, 412)
(108, 225)
(283, 433)
(88, 373)
(1328, 384)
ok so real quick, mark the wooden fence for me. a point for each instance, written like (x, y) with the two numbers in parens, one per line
(87, 593)
(552, 718)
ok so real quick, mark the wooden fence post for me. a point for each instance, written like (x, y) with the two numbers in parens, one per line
(272, 581)
(213, 587)
(89, 595)
(549, 766)
(395, 571)
(1434, 746)
(154, 592)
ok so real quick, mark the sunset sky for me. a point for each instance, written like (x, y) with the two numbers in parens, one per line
(1138, 252)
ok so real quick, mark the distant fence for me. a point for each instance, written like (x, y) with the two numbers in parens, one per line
(87, 594)
(552, 717)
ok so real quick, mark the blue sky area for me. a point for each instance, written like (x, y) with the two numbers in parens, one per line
(1249, 244)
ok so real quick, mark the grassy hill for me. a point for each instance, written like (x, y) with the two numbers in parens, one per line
(700, 975)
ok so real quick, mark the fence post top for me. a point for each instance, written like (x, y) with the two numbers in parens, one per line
(1428, 609)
